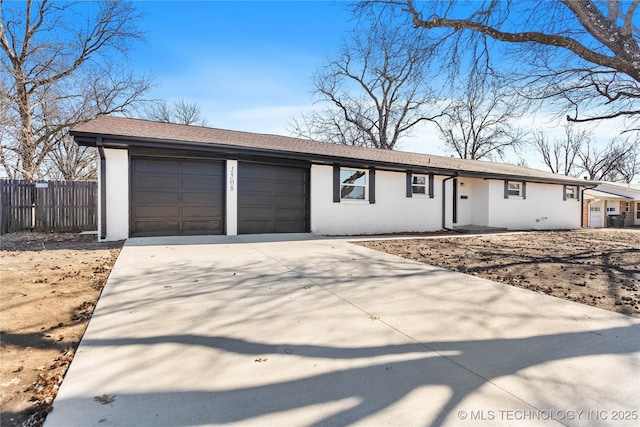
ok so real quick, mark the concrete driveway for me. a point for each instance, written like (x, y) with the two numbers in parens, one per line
(306, 331)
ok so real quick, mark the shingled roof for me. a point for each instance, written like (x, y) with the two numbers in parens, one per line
(120, 132)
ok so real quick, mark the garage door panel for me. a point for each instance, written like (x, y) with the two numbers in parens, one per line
(158, 212)
(175, 197)
(156, 166)
(157, 228)
(272, 199)
(189, 212)
(285, 173)
(285, 226)
(256, 226)
(288, 200)
(295, 188)
(200, 183)
(283, 213)
(200, 227)
(259, 212)
(254, 186)
(202, 198)
(203, 169)
(159, 182)
(250, 200)
(156, 197)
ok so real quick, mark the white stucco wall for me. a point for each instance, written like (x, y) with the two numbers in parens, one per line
(475, 208)
(392, 212)
(117, 194)
(543, 208)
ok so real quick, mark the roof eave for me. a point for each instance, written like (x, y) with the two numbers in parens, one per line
(89, 139)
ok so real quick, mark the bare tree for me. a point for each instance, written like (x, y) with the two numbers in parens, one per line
(479, 124)
(615, 162)
(375, 91)
(72, 162)
(328, 125)
(580, 56)
(181, 112)
(6, 125)
(57, 72)
(577, 154)
(629, 167)
(560, 154)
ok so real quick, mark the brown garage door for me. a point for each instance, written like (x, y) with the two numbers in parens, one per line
(176, 197)
(272, 199)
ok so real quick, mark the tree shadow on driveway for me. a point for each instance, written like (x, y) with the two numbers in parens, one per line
(462, 367)
(332, 334)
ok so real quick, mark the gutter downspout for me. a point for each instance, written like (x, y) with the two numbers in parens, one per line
(103, 189)
(444, 202)
(588, 204)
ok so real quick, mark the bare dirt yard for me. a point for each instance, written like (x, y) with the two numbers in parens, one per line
(49, 285)
(595, 267)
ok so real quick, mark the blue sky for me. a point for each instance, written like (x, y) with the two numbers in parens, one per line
(250, 64)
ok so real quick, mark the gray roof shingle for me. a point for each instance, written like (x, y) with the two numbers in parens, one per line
(113, 128)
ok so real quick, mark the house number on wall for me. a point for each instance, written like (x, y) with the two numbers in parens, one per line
(232, 180)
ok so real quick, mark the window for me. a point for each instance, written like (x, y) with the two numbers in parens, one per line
(570, 192)
(514, 189)
(419, 184)
(625, 206)
(353, 184)
(637, 210)
(611, 209)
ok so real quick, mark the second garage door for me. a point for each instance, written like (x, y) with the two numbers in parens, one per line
(272, 199)
(176, 197)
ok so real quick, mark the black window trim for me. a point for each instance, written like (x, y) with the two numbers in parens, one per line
(523, 189)
(428, 187)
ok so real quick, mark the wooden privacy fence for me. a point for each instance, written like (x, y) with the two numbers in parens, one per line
(50, 206)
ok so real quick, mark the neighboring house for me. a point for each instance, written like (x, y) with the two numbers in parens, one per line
(168, 179)
(612, 204)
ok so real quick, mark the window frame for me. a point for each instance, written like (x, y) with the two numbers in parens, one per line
(424, 185)
(522, 189)
(570, 192)
(428, 185)
(365, 186)
(520, 193)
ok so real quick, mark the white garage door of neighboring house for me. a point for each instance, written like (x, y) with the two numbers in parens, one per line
(595, 217)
